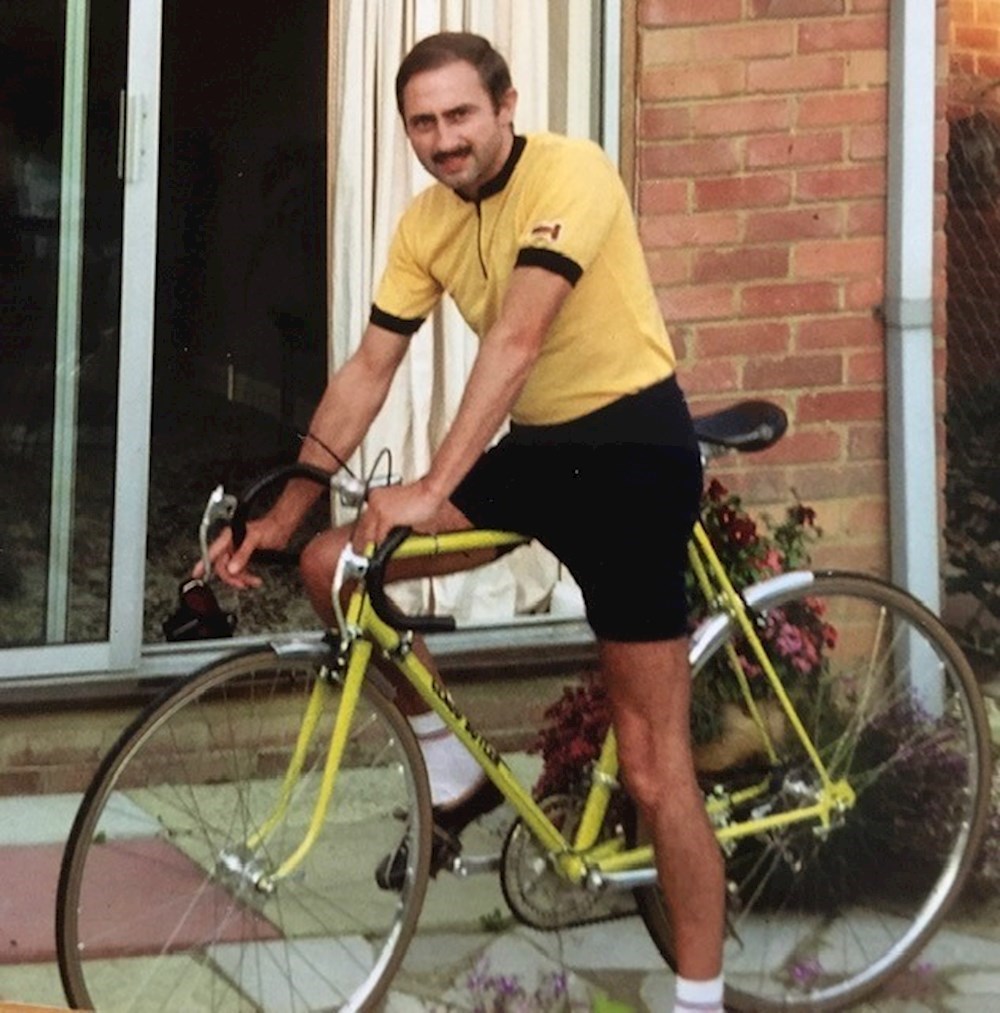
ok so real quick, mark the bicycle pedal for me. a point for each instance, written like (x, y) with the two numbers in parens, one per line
(464, 866)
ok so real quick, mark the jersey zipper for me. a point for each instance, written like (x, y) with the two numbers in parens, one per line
(479, 239)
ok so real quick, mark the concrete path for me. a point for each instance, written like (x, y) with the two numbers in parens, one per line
(469, 952)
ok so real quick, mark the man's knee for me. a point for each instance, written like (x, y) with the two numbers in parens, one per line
(313, 560)
(656, 762)
(317, 563)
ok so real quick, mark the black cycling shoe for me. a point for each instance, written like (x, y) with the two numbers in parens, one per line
(449, 822)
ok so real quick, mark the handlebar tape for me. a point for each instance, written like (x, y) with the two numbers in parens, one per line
(384, 608)
(238, 524)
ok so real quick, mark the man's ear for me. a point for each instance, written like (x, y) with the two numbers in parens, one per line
(507, 106)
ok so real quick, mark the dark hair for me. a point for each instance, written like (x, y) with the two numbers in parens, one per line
(452, 47)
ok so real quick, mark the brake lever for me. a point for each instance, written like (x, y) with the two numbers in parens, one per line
(351, 565)
(220, 507)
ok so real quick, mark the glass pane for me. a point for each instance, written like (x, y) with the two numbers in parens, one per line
(240, 348)
(62, 68)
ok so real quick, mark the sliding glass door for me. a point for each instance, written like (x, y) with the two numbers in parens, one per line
(78, 86)
(240, 348)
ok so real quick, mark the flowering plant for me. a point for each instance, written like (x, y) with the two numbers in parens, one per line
(748, 552)
(798, 639)
(794, 636)
(507, 993)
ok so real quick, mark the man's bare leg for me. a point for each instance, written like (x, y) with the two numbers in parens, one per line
(650, 689)
(459, 788)
(319, 561)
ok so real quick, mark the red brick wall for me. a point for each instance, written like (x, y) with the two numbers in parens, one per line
(975, 56)
(761, 189)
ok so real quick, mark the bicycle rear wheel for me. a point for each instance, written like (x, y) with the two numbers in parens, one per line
(163, 900)
(820, 917)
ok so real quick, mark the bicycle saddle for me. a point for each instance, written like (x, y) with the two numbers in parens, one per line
(745, 426)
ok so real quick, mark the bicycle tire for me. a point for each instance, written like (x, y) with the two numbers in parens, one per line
(157, 905)
(821, 920)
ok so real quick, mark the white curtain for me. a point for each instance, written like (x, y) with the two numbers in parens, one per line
(376, 175)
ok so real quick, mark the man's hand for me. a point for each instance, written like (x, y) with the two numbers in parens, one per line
(414, 505)
(231, 565)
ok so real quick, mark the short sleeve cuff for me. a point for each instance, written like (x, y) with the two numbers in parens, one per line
(405, 326)
(550, 260)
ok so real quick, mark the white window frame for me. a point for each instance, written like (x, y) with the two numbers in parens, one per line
(120, 653)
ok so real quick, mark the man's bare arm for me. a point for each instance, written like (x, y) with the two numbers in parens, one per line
(506, 355)
(353, 397)
(532, 301)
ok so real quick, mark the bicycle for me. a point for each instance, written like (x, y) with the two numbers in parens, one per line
(242, 814)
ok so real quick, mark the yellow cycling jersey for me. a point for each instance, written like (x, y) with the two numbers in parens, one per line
(559, 204)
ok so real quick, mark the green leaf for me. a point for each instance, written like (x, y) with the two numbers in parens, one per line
(602, 1004)
(493, 921)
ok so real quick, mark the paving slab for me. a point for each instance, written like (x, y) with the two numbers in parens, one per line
(38, 982)
(37, 819)
(28, 902)
(618, 945)
(47, 819)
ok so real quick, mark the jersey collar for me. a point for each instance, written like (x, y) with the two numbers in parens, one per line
(500, 180)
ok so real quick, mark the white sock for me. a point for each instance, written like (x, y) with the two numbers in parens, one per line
(451, 769)
(698, 996)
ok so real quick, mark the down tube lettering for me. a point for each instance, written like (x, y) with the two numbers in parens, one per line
(445, 697)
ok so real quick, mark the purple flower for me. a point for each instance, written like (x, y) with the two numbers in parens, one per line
(789, 640)
(806, 972)
(508, 985)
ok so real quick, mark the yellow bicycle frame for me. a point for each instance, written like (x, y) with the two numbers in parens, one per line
(576, 857)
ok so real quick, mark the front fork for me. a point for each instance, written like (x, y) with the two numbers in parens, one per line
(247, 865)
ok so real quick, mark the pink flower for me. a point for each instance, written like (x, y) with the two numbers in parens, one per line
(750, 670)
(770, 563)
(788, 640)
(808, 657)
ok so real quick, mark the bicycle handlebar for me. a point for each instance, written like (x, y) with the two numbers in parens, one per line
(746, 426)
(238, 522)
(384, 608)
(352, 492)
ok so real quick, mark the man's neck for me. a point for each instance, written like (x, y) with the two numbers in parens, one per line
(503, 169)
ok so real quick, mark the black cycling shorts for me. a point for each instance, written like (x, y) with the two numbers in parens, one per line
(614, 496)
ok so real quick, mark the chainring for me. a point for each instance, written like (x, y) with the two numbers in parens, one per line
(536, 894)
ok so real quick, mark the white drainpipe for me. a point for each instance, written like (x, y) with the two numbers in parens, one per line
(913, 486)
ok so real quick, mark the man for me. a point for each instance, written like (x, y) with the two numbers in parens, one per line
(534, 240)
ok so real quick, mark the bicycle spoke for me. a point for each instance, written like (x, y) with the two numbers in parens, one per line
(194, 915)
(823, 915)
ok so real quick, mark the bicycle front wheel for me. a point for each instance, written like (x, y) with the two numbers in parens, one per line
(821, 916)
(168, 895)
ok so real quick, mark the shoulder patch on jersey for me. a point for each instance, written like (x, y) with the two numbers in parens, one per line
(547, 230)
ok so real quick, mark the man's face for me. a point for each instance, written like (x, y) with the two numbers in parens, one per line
(456, 133)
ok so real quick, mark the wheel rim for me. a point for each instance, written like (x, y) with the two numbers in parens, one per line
(818, 922)
(822, 919)
(159, 896)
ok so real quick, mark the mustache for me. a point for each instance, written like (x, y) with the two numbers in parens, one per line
(443, 156)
